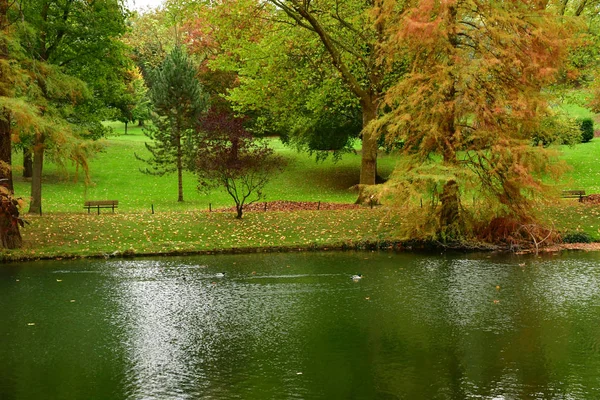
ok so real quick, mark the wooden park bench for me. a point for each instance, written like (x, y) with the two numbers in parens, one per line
(573, 194)
(98, 204)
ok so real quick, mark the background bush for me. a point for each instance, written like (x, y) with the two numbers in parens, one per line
(577, 237)
(586, 125)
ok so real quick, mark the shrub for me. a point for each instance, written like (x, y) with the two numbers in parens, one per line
(576, 237)
(558, 129)
(586, 125)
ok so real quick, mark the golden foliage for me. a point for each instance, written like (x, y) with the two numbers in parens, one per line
(469, 108)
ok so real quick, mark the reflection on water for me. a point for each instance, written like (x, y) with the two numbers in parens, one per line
(288, 326)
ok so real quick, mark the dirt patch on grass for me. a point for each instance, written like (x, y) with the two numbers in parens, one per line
(591, 199)
(572, 246)
(281, 205)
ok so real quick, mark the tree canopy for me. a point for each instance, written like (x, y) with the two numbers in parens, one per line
(344, 38)
(70, 67)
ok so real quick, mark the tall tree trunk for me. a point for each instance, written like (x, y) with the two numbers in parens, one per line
(370, 145)
(179, 170)
(5, 152)
(27, 163)
(368, 170)
(35, 207)
(450, 219)
(10, 237)
(5, 139)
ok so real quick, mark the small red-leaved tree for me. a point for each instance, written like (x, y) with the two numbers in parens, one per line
(228, 156)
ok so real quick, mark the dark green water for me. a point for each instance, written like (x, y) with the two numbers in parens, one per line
(295, 326)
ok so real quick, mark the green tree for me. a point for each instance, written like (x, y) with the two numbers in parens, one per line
(178, 100)
(468, 110)
(76, 62)
(289, 86)
(133, 104)
(150, 39)
(351, 34)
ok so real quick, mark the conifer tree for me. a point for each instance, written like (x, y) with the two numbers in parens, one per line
(178, 100)
(467, 111)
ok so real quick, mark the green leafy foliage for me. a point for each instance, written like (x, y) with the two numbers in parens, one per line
(150, 39)
(325, 132)
(556, 130)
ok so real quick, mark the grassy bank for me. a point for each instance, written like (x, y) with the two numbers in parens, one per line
(79, 235)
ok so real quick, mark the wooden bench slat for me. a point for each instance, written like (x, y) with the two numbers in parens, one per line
(98, 204)
(94, 203)
(573, 194)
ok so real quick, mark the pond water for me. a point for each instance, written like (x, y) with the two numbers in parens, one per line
(296, 326)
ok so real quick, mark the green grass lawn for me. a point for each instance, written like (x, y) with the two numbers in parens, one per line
(584, 162)
(568, 215)
(115, 174)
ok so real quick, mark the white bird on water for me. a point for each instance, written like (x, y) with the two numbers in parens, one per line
(356, 277)
(219, 275)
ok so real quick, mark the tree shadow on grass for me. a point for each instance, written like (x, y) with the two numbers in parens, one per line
(327, 176)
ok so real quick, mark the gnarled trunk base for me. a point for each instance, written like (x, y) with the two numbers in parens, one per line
(10, 236)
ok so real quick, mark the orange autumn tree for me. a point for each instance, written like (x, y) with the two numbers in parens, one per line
(467, 112)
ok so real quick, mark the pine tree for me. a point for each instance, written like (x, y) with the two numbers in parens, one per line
(178, 100)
